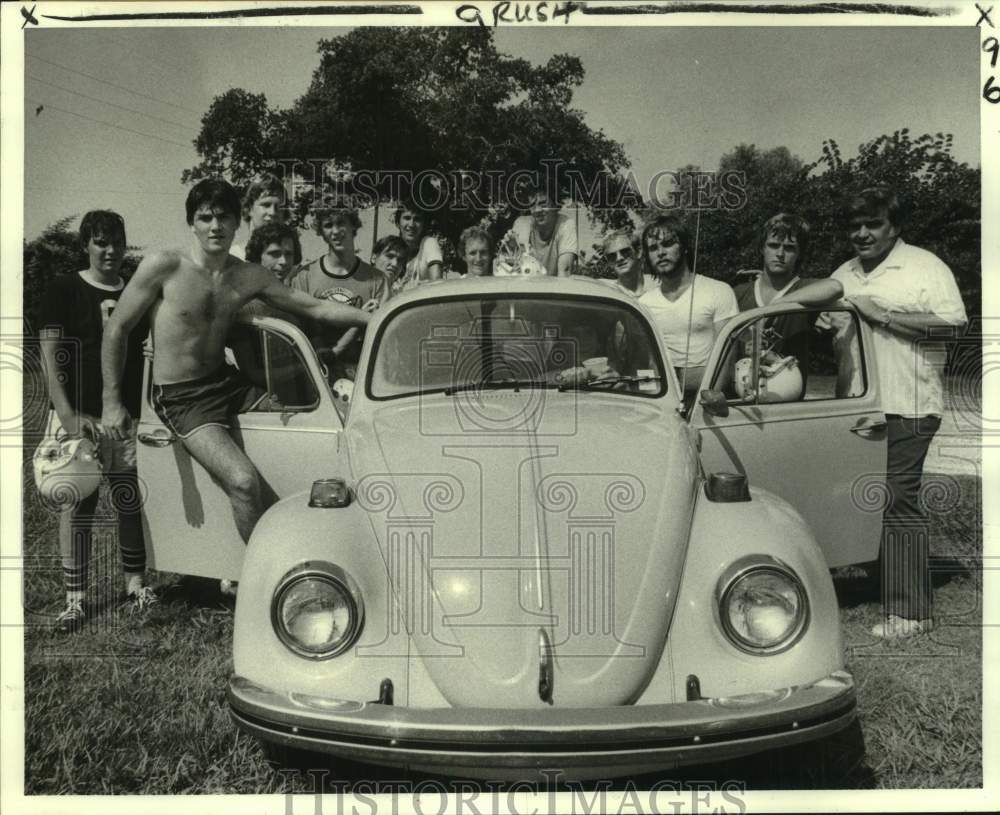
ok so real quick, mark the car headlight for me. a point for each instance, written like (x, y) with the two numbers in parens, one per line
(762, 605)
(317, 610)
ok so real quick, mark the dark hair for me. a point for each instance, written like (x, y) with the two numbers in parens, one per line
(872, 201)
(264, 236)
(102, 223)
(676, 227)
(409, 205)
(335, 208)
(267, 184)
(389, 242)
(549, 191)
(215, 193)
(789, 225)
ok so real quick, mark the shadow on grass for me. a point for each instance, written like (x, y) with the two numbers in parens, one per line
(197, 592)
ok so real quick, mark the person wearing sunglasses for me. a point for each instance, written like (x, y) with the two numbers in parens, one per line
(622, 254)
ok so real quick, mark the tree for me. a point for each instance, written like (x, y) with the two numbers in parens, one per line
(940, 197)
(415, 100)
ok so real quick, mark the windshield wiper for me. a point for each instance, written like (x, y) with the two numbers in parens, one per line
(497, 384)
(609, 381)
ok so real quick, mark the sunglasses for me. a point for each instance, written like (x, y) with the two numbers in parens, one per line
(624, 254)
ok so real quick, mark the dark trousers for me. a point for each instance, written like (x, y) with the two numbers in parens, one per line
(905, 568)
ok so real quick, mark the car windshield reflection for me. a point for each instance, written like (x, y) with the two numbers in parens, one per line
(504, 342)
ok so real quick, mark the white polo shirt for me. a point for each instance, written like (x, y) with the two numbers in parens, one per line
(713, 301)
(909, 279)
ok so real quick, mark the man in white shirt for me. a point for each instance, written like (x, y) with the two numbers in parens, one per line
(904, 293)
(687, 307)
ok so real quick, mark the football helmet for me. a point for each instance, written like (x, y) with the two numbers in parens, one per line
(343, 390)
(780, 381)
(67, 470)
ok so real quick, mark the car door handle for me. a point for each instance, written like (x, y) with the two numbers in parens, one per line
(869, 427)
(158, 438)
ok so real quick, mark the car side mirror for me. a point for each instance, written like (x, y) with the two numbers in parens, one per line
(714, 403)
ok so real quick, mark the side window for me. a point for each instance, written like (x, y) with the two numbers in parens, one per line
(802, 356)
(273, 363)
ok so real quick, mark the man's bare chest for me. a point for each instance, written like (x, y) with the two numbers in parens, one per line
(194, 298)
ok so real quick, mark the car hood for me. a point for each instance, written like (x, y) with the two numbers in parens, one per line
(522, 528)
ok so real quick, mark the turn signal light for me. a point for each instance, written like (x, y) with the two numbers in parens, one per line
(727, 487)
(329, 492)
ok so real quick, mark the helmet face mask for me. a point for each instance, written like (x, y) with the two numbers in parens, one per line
(67, 471)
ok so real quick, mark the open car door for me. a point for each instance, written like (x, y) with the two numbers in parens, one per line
(794, 405)
(292, 439)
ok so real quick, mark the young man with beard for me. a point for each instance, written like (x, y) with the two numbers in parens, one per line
(193, 298)
(340, 276)
(904, 293)
(686, 307)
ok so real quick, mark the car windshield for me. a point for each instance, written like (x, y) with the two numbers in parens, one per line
(513, 342)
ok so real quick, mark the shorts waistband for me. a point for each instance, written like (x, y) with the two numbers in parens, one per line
(218, 375)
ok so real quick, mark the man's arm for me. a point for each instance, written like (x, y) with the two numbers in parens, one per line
(565, 264)
(140, 293)
(276, 294)
(433, 258)
(816, 293)
(568, 249)
(72, 422)
(909, 324)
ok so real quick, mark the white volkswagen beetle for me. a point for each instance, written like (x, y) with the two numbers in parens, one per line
(511, 546)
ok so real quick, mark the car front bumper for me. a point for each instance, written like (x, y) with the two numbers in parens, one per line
(487, 742)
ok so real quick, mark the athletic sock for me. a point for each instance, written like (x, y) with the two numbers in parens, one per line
(133, 582)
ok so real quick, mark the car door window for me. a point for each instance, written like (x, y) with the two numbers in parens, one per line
(272, 362)
(799, 356)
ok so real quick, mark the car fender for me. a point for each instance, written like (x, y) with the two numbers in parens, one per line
(721, 534)
(292, 533)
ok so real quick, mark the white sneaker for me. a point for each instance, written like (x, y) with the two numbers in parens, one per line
(228, 587)
(895, 627)
(72, 617)
(141, 599)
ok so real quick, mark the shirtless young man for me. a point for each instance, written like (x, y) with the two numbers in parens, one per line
(193, 299)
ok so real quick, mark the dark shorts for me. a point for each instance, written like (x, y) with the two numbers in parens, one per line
(185, 407)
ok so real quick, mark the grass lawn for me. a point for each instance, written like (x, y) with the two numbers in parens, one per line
(137, 705)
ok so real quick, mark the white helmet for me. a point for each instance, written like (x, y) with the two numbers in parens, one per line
(67, 471)
(778, 382)
(343, 390)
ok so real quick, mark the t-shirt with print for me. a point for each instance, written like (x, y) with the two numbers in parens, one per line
(79, 309)
(355, 288)
(562, 241)
(713, 301)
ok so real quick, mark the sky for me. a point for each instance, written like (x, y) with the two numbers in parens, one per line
(120, 107)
